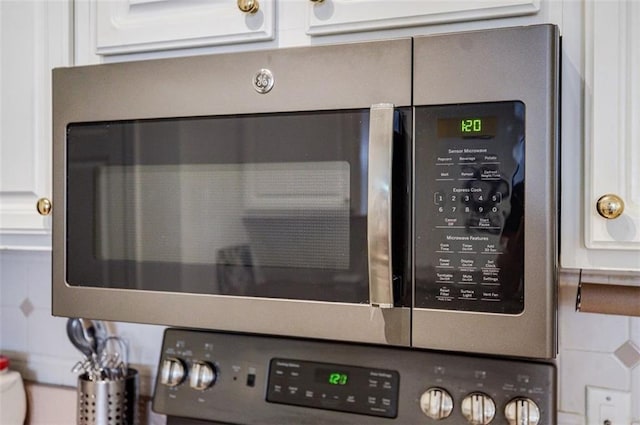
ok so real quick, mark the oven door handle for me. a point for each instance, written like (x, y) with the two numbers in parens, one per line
(379, 205)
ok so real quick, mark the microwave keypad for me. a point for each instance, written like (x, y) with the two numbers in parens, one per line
(469, 207)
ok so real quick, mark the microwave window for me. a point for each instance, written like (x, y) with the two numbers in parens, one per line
(264, 205)
(279, 214)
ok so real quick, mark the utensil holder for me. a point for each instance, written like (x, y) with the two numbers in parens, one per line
(108, 402)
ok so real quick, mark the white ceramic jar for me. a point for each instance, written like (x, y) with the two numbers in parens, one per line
(13, 400)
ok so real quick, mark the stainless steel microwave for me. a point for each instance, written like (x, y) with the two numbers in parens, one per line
(399, 192)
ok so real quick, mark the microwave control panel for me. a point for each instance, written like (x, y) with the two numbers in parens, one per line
(469, 207)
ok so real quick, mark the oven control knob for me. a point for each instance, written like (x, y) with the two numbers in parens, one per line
(172, 372)
(478, 408)
(522, 411)
(436, 403)
(202, 376)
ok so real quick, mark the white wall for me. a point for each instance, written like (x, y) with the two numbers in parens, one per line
(593, 352)
(37, 344)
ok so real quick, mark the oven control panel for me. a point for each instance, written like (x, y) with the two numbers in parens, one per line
(215, 377)
(340, 387)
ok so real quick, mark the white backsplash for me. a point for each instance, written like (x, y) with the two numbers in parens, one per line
(37, 344)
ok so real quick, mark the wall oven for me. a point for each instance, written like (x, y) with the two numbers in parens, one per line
(398, 193)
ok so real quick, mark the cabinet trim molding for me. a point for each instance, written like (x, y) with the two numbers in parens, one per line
(344, 16)
(132, 26)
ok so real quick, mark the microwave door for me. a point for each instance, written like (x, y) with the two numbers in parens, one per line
(288, 221)
(191, 199)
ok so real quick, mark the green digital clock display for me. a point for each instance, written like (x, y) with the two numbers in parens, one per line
(337, 378)
(332, 377)
(467, 127)
(471, 125)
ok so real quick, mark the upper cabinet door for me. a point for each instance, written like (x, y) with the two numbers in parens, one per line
(34, 37)
(612, 132)
(341, 16)
(127, 26)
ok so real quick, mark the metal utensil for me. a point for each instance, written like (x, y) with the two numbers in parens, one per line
(90, 337)
(77, 337)
(101, 331)
(113, 360)
(89, 332)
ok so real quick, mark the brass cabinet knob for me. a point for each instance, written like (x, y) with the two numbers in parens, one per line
(248, 6)
(44, 206)
(610, 206)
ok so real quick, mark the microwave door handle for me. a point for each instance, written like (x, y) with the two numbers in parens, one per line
(379, 205)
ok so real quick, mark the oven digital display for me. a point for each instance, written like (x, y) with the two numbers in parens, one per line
(332, 377)
(339, 387)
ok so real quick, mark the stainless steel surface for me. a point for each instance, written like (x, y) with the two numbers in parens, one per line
(379, 205)
(436, 403)
(105, 357)
(76, 336)
(246, 374)
(202, 376)
(504, 64)
(194, 86)
(172, 372)
(366, 324)
(90, 334)
(108, 402)
(522, 411)
(263, 81)
(610, 206)
(219, 85)
(478, 408)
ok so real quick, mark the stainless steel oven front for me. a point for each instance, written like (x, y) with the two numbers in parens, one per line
(399, 192)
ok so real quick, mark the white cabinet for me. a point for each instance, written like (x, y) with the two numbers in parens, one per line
(609, 65)
(34, 37)
(119, 30)
(341, 16)
(129, 26)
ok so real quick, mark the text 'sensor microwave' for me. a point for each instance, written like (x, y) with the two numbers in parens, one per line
(399, 192)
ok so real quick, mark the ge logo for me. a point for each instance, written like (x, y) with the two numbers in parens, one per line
(263, 81)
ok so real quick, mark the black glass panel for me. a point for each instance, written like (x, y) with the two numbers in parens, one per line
(270, 205)
(469, 203)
